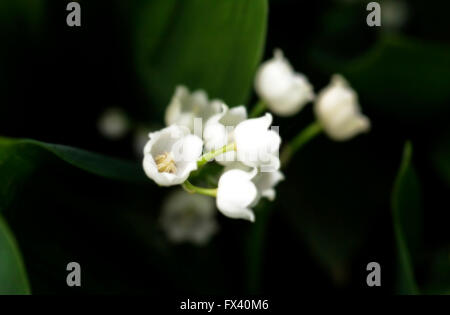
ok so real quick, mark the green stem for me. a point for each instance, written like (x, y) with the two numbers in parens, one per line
(192, 189)
(205, 158)
(299, 141)
(256, 239)
(258, 109)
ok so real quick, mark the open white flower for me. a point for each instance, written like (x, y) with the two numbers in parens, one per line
(189, 218)
(219, 131)
(236, 193)
(285, 91)
(256, 145)
(265, 182)
(186, 106)
(171, 155)
(338, 111)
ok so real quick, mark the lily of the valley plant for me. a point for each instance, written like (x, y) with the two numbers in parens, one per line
(246, 146)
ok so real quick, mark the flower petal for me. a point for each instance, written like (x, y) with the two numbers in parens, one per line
(236, 193)
(255, 144)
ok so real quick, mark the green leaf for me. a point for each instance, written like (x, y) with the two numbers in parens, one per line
(97, 164)
(13, 278)
(407, 221)
(254, 250)
(19, 157)
(210, 45)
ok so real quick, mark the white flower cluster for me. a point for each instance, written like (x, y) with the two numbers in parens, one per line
(197, 125)
(200, 130)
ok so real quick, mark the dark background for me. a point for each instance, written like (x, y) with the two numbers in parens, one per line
(332, 214)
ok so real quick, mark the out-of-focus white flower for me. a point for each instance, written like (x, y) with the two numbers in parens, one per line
(113, 123)
(265, 182)
(171, 155)
(189, 218)
(219, 131)
(394, 14)
(285, 91)
(256, 145)
(236, 193)
(186, 106)
(338, 111)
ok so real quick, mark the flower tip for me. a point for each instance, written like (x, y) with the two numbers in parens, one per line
(223, 107)
(338, 79)
(268, 116)
(253, 173)
(278, 53)
(248, 215)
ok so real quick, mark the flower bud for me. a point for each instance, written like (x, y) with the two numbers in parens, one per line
(265, 182)
(256, 144)
(236, 193)
(285, 91)
(338, 111)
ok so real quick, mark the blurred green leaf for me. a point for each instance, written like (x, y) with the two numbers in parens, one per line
(210, 45)
(19, 157)
(19, 151)
(400, 76)
(13, 279)
(407, 221)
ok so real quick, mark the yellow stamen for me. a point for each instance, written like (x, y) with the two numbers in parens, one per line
(165, 163)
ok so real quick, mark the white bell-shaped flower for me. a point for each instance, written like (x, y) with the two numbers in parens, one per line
(285, 91)
(265, 182)
(256, 144)
(338, 111)
(185, 107)
(171, 155)
(219, 131)
(189, 217)
(236, 193)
